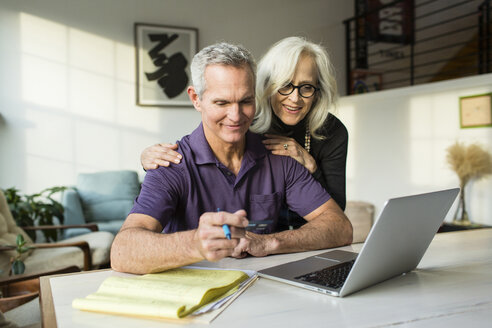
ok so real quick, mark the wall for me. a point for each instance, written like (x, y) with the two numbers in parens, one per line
(67, 100)
(398, 140)
(67, 94)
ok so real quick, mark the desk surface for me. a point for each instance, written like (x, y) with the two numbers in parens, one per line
(451, 287)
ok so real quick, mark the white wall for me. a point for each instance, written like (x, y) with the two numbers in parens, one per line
(67, 99)
(398, 140)
(67, 94)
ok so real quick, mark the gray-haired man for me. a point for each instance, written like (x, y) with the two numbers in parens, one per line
(175, 220)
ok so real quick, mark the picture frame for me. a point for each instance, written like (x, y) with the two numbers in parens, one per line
(364, 81)
(476, 111)
(163, 56)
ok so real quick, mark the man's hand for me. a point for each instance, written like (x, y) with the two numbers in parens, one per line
(327, 227)
(255, 245)
(210, 239)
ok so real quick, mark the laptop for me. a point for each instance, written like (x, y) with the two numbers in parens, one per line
(395, 245)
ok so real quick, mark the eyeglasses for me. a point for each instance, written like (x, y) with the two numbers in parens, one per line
(305, 90)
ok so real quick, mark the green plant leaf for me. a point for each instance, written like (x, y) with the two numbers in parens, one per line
(36, 209)
(22, 250)
(20, 240)
(18, 267)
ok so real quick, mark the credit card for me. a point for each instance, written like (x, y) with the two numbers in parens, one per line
(258, 225)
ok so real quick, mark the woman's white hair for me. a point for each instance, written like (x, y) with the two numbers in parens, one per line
(277, 68)
(220, 54)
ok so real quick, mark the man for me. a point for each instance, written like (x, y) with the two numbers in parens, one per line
(226, 177)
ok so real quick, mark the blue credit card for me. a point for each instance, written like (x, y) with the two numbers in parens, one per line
(258, 225)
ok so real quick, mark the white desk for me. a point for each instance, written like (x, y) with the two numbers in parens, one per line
(452, 287)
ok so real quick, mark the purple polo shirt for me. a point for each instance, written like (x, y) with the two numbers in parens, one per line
(177, 195)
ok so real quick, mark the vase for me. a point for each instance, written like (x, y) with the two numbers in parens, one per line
(461, 215)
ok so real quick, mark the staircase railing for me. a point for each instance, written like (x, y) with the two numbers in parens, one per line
(408, 42)
(485, 34)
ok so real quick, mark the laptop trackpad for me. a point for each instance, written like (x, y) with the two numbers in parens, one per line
(298, 268)
(324, 260)
(308, 265)
(338, 256)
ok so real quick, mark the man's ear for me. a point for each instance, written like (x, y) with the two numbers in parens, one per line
(195, 99)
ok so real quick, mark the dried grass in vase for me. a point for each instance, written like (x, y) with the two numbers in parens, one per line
(471, 162)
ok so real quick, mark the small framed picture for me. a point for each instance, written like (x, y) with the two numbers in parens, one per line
(163, 56)
(363, 81)
(476, 111)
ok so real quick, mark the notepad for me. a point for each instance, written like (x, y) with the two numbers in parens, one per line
(172, 294)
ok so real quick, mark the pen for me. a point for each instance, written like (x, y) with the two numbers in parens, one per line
(227, 230)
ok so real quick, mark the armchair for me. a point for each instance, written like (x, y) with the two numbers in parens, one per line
(19, 289)
(19, 302)
(102, 198)
(85, 251)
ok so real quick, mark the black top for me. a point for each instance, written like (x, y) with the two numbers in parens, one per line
(330, 153)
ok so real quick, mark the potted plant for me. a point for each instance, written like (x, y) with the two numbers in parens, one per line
(18, 266)
(470, 162)
(36, 209)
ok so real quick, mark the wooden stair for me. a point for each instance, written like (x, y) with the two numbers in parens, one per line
(463, 63)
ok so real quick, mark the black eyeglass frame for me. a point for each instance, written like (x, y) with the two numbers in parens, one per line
(299, 90)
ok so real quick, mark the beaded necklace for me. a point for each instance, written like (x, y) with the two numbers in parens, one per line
(307, 140)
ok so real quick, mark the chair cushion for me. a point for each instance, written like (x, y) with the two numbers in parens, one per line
(73, 232)
(100, 244)
(361, 215)
(72, 207)
(107, 196)
(111, 226)
(47, 259)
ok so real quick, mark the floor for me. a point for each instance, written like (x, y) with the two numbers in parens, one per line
(26, 316)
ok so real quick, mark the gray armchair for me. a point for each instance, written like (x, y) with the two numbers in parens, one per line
(103, 198)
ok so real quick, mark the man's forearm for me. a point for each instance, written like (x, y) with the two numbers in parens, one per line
(317, 234)
(140, 251)
(327, 227)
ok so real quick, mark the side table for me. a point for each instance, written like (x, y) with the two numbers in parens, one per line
(448, 227)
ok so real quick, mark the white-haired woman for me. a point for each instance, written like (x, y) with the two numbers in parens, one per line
(295, 92)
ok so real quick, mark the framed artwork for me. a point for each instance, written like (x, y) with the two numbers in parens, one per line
(476, 111)
(392, 23)
(363, 81)
(163, 56)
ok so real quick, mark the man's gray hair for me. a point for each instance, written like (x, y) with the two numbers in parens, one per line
(219, 54)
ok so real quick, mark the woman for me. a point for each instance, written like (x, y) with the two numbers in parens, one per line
(293, 103)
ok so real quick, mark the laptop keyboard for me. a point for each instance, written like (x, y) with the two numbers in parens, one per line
(332, 277)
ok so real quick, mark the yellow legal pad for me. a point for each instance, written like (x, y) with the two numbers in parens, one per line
(170, 294)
